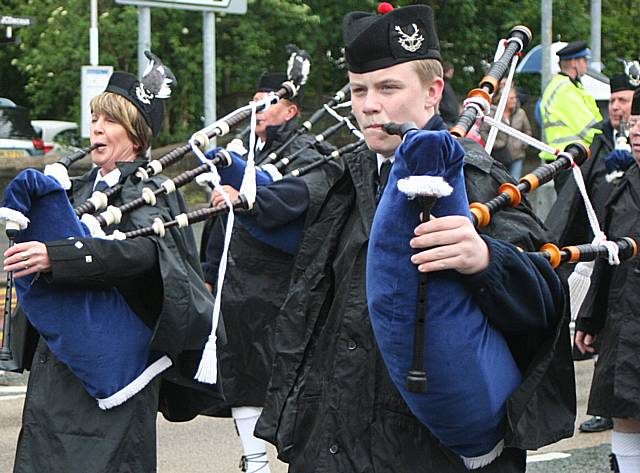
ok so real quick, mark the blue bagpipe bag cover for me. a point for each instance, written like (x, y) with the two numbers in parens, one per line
(470, 370)
(92, 331)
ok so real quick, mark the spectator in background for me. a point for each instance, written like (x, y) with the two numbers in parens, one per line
(449, 105)
(508, 150)
(568, 111)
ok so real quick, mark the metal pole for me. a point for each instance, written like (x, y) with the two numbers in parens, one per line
(545, 42)
(596, 30)
(209, 63)
(545, 195)
(144, 37)
(94, 59)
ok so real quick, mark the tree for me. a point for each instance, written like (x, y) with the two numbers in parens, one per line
(43, 72)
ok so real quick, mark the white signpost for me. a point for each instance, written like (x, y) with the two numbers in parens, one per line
(94, 81)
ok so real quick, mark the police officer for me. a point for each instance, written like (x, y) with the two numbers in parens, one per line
(568, 111)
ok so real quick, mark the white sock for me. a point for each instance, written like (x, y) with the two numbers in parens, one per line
(255, 450)
(626, 447)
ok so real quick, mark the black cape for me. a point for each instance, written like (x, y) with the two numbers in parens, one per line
(610, 310)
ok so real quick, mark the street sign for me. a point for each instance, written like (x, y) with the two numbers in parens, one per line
(227, 6)
(11, 22)
(17, 21)
(93, 82)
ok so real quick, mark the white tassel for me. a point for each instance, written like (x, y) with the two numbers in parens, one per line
(8, 215)
(59, 173)
(579, 282)
(473, 463)
(208, 368)
(434, 186)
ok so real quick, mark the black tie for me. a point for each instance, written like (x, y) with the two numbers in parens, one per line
(385, 169)
(101, 186)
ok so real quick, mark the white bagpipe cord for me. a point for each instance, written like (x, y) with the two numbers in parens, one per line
(208, 368)
(248, 186)
(501, 105)
(580, 278)
(353, 129)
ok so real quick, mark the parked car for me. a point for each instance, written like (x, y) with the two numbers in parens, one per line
(57, 135)
(17, 136)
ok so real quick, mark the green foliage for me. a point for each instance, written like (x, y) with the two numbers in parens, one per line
(43, 72)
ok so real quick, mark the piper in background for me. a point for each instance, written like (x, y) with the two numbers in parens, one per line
(262, 253)
(609, 320)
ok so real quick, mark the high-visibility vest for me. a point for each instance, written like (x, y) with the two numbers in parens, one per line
(568, 115)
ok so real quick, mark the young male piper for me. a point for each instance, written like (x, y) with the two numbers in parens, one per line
(331, 405)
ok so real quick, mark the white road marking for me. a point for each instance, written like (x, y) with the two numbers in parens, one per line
(545, 457)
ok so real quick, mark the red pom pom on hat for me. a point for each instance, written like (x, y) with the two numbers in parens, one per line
(385, 7)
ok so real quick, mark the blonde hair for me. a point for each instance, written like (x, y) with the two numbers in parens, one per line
(117, 108)
(427, 70)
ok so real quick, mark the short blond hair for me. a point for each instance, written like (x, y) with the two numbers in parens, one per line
(117, 108)
(427, 70)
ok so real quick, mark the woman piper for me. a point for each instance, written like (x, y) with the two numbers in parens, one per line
(64, 428)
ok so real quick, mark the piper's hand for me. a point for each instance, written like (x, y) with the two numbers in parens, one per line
(217, 199)
(450, 243)
(585, 341)
(27, 258)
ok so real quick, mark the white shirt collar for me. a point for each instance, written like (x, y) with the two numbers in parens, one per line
(110, 178)
(381, 159)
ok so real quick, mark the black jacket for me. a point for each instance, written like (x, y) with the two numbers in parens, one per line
(331, 406)
(611, 310)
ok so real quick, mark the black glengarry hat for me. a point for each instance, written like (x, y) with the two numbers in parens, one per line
(404, 34)
(619, 82)
(148, 94)
(271, 82)
(574, 50)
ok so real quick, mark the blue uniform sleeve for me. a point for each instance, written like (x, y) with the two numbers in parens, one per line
(280, 203)
(232, 175)
(277, 217)
(517, 291)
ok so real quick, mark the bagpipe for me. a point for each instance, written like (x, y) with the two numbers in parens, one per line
(457, 355)
(61, 169)
(93, 332)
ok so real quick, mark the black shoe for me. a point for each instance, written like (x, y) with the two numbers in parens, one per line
(253, 458)
(613, 463)
(596, 424)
